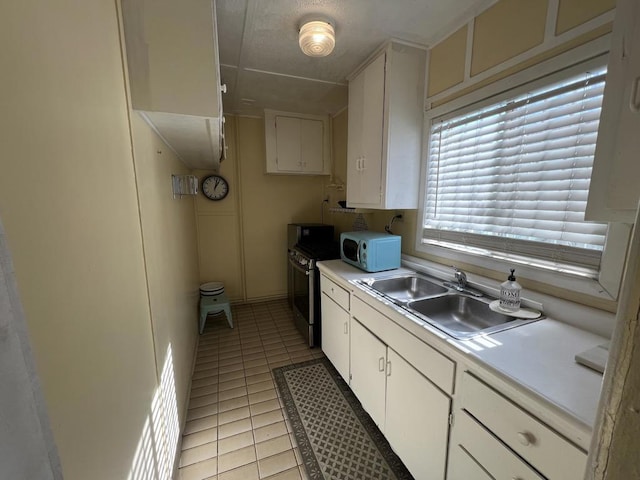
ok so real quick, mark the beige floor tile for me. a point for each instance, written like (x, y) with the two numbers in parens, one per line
(201, 424)
(280, 363)
(262, 396)
(277, 358)
(261, 377)
(226, 377)
(201, 391)
(267, 418)
(233, 415)
(198, 454)
(199, 471)
(199, 438)
(273, 446)
(247, 472)
(257, 370)
(195, 413)
(231, 384)
(229, 353)
(234, 428)
(202, 401)
(205, 366)
(235, 442)
(236, 458)
(276, 463)
(255, 363)
(205, 381)
(260, 386)
(264, 407)
(253, 349)
(230, 368)
(205, 373)
(232, 393)
(233, 404)
(230, 361)
(247, 357)
(274, 430)
(291, 474)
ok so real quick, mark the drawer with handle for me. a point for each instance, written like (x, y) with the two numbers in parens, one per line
(335, 292)
(489, 453)
(543, 448)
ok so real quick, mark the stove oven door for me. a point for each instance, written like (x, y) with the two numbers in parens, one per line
(301, 293)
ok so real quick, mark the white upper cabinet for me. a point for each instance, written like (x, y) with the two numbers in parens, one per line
(174, 75)
(386, 104)
(614, 191)
(297, 143)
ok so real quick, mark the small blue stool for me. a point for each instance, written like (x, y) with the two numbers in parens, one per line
(212, 305)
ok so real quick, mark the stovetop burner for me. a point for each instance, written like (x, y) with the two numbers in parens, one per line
(319, 250)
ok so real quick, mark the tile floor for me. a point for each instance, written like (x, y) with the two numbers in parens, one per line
(236, 427)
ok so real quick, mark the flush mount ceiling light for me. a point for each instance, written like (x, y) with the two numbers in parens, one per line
(317, 38)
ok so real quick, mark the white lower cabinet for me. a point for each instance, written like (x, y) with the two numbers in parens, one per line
(335, 325)
(465, 467)
(417, 419)
(368, 377)
(335, 335)
(411, 412)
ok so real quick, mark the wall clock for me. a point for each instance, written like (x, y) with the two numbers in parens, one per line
(214, 187)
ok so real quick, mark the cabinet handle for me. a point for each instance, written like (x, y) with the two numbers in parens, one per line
(388, 368)
(346, 328)
(526, 438)
(381, 364)
(364, 159)
(634, 103)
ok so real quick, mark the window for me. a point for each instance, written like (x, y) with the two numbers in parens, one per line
(508, 178)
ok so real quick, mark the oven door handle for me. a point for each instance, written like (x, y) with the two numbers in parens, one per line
(298, 267)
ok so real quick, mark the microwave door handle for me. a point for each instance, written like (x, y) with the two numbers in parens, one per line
(358, 253)
(298, 267)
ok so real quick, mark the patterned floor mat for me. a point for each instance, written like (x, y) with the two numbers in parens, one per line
(336, 437)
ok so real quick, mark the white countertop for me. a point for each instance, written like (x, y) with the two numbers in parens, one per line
(536, 359)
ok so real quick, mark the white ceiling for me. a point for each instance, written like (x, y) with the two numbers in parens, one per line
(263, 67)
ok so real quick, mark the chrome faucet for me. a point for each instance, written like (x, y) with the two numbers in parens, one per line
(461, 277)
(461, 283)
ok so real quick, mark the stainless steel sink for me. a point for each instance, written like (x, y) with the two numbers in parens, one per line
(462, 316)
(459, 315)
(407, 288)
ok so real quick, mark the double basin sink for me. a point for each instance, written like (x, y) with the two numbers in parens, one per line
(458, 314)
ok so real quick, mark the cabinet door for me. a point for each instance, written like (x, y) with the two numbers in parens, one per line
(463, 467)
(368, 379)
(311, 143)
(366, 128)
(288, 144)
(613, 195)
(335, 335)
(417, 419)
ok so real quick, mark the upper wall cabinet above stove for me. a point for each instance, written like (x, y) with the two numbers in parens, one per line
(174, 75)
(297, 143)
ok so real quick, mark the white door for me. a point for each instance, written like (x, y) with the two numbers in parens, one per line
(368, 363)
(417, 419)
(335, 335)
(354, 141)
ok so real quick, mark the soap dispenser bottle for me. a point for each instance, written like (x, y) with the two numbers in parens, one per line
(510, 294)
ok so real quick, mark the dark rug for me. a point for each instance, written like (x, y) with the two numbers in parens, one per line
(337, 439)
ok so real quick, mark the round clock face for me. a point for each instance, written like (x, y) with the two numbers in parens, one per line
(214, 187)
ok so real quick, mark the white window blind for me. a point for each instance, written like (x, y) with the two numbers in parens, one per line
(513, 177)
